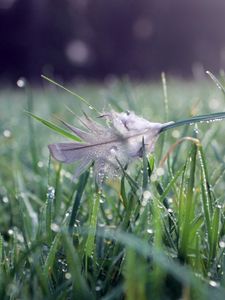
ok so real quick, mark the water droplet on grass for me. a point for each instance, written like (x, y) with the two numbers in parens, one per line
(222, 244)
(51, 193)
(196, 130)
(10, 232)
(40, 164)
(147, 195)
(55, 227)
(68, 276)
(213, 283)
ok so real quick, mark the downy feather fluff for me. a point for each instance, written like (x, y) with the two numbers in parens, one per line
(121, 140)
(106, 145)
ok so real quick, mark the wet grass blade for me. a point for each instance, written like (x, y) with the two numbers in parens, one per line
(80, 190)
(72, 93)
(215, 230)
(189, 207)
(80, 287)
(55, 128)
(197, 119)
(89, 247)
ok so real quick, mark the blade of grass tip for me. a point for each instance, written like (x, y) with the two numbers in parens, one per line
(165, 96)
(72, 93)
(80, 288)
(166, 112)
(217, 82)
(54, 127)
(80, 190)
(197, 119)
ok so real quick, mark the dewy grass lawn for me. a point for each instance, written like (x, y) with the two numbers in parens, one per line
(156, 232)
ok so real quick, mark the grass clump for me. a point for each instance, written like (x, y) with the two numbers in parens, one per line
(155, 233)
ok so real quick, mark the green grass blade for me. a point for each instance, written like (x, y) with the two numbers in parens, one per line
(89, 247)
(197, 119)
(48, 265)
(55, 128)
(80, 190)
(145, 167)
(80, 288)
(215, 226)
(72, 93)
(189, 207)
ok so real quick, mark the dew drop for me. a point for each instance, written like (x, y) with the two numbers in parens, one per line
(196, 130)
(67, 275)
(170, 200)
(55, 227)
(90, 107)
(147, 195)
(51, 193)
(150, 231)
(10, 232)
(40, 164)
(222, 244)
(213, 283)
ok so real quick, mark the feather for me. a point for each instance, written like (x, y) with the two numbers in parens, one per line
(120, 141)
(104, 146)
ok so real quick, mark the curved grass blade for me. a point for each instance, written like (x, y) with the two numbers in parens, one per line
(72, 93)
(197, 119)
(55, 128)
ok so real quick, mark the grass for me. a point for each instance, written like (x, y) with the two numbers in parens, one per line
(157, 232)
